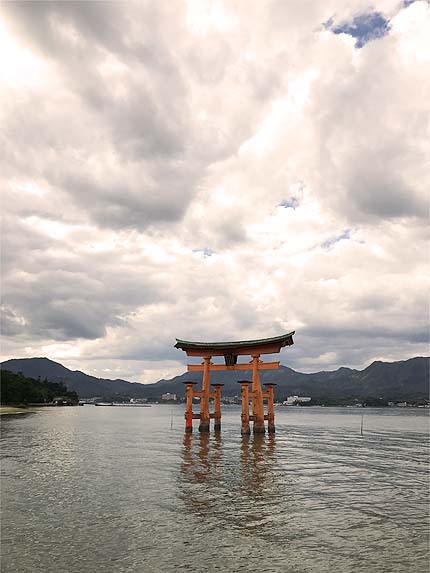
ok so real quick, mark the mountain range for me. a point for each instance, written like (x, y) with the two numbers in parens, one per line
(397, 381)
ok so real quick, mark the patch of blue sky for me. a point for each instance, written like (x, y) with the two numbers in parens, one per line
(342, 237)
(206, 251)
(290, 203)
(364, 27)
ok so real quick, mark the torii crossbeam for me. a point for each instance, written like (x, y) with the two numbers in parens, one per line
(230, 351)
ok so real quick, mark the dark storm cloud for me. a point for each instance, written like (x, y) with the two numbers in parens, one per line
(137, 204)
(69, 320)
(76, 303)
(40, 21)
(384, 194)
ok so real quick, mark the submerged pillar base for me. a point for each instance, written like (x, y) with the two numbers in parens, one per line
(217, 427)
(259, 429)
(271, 429)
(204, 428)
(245, 431)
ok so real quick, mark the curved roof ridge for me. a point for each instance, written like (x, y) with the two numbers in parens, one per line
(236, 343)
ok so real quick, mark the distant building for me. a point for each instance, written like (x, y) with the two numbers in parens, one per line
(94, 400)
(169, 397)
(231, 400)
(63, 401)
(295, 400)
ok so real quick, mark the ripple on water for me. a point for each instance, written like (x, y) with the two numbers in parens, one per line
(93, 489)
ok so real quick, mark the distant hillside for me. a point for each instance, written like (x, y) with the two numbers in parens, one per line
(405, 380)
(86, 386)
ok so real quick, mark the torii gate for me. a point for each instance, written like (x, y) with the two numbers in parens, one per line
(230, 351)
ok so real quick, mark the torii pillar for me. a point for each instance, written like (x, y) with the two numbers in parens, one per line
(245, 430)
(204, 396)
(270, 416)
(257, 396)
(270, 395)
(217, 406)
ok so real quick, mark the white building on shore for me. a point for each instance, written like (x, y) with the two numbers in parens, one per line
(295, 400)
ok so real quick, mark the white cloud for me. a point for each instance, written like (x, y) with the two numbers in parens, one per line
(213, 171)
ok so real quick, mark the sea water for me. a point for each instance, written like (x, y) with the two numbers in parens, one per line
(90, 489)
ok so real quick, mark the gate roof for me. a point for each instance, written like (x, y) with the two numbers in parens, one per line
(236, 348)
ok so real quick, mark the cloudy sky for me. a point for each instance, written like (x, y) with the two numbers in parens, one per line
(214, 170)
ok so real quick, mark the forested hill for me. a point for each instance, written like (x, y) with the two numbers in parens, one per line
(17, 389)
(403, 380)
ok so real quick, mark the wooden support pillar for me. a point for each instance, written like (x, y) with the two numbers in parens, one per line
(204, 399)
(189, 406)
(245, 407)
(257, 397)
(270, 408)
(217, 406)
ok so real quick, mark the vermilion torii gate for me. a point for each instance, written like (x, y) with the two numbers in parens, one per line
(230, 351)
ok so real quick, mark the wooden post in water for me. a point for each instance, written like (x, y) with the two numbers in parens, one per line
(204, 398)
(270, 408)
(189, 407)
(217, 406)
(257, 397)
(245, 407)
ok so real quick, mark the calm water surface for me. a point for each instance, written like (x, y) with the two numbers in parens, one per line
(117, 489)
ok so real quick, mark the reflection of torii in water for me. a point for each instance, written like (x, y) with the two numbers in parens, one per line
(201, 465)
(199, 462)
(219, 483)
(230, 351)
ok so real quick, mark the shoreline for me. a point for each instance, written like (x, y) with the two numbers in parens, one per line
(12, 410)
